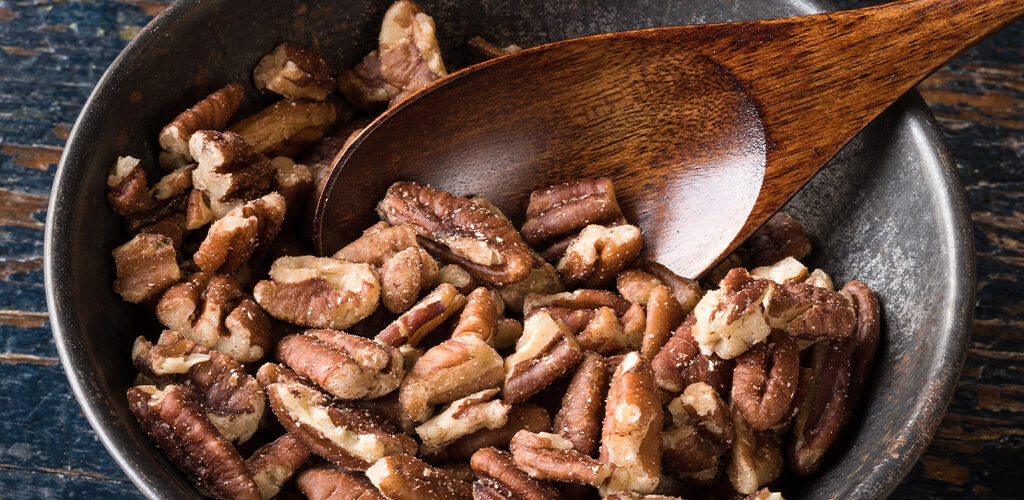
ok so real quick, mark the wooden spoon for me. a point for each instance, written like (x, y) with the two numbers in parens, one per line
(706, 130)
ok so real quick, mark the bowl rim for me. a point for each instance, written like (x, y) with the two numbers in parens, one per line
(914, 436)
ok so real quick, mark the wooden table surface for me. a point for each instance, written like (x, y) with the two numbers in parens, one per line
(53, 52)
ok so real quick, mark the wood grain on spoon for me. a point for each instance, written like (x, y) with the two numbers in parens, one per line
(706, 130)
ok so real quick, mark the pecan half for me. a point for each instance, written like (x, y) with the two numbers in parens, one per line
(765, 380)
(274, 463)
(680, 363)
(731, 319)
(810, 312)
(409, 55)
(551, 457)
(487, 50)
(686, 291)
(755, 458)
(319, 292)
(522, 416)
(598, 253)
(578, 299)
(346, 366)
(701, 431)
(866, 335)
(663, 316)
(788, 269)
(146, 265)
(321, 483)
(403, 477)
(211, 113)
(780, 237)
(479, 317)
(546, 350)
(559, 212)
(294, 72)
(363, 85)
(430, 311)
(463, 417)
(483, 243)
(597, 330)
(179, 428)
(635, 285)
(631, 434)
(448, 371)
(286, 123)
(406, 268)
(245, 231)
(501, 479)
(542, 280)
(579, 419)
(821, 414)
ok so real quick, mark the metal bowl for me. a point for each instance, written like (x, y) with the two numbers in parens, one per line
(889, 210)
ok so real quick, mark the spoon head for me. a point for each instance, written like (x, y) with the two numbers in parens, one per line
(676, 133)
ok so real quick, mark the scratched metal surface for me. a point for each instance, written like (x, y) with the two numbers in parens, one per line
(52, 53)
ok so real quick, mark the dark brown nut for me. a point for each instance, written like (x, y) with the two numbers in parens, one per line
(364, 87)
(866, 335)
(755, 458)
(551, 457)
(694, 444)
(146, 265)
(501, 479)
(460, 231)
(319, 292)
(274, 463)
(598, 253)
(686, 291)
(523, 416)
(560, 211)
(320, 483)
(294, 72)
(546, 351)
(461, 418)
(170, 161)
(579, 419)
(765, 379)
(663, 316)
(507, 333)
(460, 470)
(346, 366)
(127, 188)
(403, 477)
(820, 279)
(430, 311)
(172, 227)
(479, 317)
(680, 363)
(244, 232)
(764, 494)
(780, 237)
(349, 436)
(788, 269)
(810, 312)
(631, 434)
(448, 371)
(211, 113)
(409, 55)
(285, 122)
(294, 181)
(406, 269)
(731, 319)
(197, 212)
(487, 50)
(542, 280)
(821, 413)
(229, 169)
(190, 440)
(231, 398)
(579, 299)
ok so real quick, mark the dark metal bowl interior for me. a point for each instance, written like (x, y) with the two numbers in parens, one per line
(889, 210)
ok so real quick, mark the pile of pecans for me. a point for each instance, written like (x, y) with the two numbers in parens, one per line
(552, 361)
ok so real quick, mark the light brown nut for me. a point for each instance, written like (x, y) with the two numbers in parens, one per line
(810, 312)
(448, 371)
(755, 458)
(686, 291)
(680, 363)
(390, 409)
(319, 292)
(765, 380)
(244, 232)
(403, 477)
(507, 333)
(820, 279)
(349, 436)
(542, 280)
(780, 237)
(456, 229)
(700, 434)
(559, 212)
(461, 418)
(127, 188)
(406, 269)
(501, 479)
(228, 169)
(551, 457)
(146, 265)
(409, 55)
(663, 316)
(788, 269)
(522, 416)
(635, 285)
(597, 330)
(598, 253)
(364, 87)
(346, 366)
(274, 463)
(866, 335)
(211, 113)
(295, 72)
(578, 299)
(631, 434)
(456, 276)
(731, 319)
(321, 483)
(231, 398)
(546, 351)
(197, 212)
(479, 317)
(179, 428)
(487, 50)
(286, 123)
(764, 494)
(430, 311)
(579, 419)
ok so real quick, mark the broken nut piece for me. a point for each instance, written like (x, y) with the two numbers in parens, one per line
(404, 477)
(681, 363)
(524, 416)
(146, 265)
(462, 417)
(631, 434)
(346, 366)
(363, 85)
(295, 72)
(244, 232)
(700, 434)
(579, 419)
(551, 457)
(448, 371)
(731, 319)
(559, 212)
(415, 323)
(780, 237)
(127, 187)
(546, 351)
(319, 292)
(755, 458)
(479, 317)
(286, 123)
(499, 478)
(322, 483)
(229, 169)
(409, 54)
(274, 463)
(598, 253)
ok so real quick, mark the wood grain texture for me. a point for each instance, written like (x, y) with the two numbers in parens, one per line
(53, 52)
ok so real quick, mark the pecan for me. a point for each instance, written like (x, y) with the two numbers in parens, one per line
(294, 72)
(172, 227)
(127, 188)
(430, 311)
(460, 470)
(390, 409)
(286, 123)
(349, 436)
(559, 212)
(579, 419)
(363, 85)
(680, 363)
(197, 211)
(274, 463)
(229, 169)
(405, 268)
(731, 319)
(755, 458)
(507, 333)
(458, 277)
(190, 440)
(598, 253)
(294, 181)
(635, 285)
(698, 437)
(404, 477)
(409, 55)
(866, 335)
(788, 269)
(321, 483)
(542, 280)
(146, 265)
(764, 494)
(244, 232)
(501, 479)
(211, 311)
(551, 457)
(810, 312)
(546, 350)
(630, 495)
(820, 279)
(522, 416)
(448, 371)
(346, 366)
(463, 417)
(460, 231)
(765, 380)
(487, 50)
(173, 184)
(631, 434)
(211, 113)
(597, 330)
(479, 317)
(686, 291)
(780, 237)
(663, 316)
(579, 299)
(231, 398)
(319, 292)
